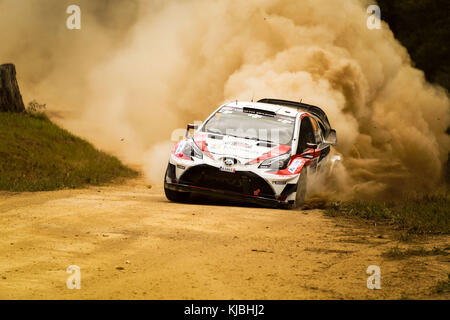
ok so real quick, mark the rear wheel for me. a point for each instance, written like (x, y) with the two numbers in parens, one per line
(300, 195)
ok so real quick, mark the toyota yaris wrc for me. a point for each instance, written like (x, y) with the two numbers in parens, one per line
(261, 152)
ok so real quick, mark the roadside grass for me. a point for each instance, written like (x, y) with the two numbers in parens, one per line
(37, 155)
(397, 254)
(415, 215)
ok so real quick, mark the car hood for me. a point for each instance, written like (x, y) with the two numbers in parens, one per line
(245, 151)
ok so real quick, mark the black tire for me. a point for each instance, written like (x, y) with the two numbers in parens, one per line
(173, 195)
(300, 195)
(176, 196)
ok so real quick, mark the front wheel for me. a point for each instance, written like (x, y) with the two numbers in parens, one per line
(176, 196)
(173, 195)
(300, 194)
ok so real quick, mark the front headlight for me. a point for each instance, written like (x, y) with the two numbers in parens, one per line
(278, 163)
(192, 150)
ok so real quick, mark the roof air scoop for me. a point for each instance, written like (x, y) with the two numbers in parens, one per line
(259, 112)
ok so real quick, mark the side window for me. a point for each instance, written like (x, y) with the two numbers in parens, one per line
(306, 135)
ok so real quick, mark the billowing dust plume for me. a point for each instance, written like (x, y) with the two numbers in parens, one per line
(137, 70)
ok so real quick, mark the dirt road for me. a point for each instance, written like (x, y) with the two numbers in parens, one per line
(131, 243)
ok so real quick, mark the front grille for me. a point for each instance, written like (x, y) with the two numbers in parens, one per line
(246, 183)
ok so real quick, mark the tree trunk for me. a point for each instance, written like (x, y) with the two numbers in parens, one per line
(10, 97)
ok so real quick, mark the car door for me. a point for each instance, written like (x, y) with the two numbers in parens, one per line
(307, 146)
(324, 148)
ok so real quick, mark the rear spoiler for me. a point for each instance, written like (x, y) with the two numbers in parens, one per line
(319, 113)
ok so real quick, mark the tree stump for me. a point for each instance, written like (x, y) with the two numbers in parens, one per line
(10, 97)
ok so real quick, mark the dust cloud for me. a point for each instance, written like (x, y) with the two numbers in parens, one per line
(137, 70)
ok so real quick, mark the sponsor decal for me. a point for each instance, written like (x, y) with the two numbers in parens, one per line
(256, 112)
(294, 165)
(279, 182)
(215, 147)
(285, 121)
(239, 144)
(227, 169)
(180, 167)
(180, 147)
(294, 168)
(278, 150)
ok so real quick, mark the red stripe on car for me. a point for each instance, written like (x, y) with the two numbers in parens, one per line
(200, 141)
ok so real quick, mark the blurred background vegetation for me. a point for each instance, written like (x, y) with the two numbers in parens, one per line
(423, 27)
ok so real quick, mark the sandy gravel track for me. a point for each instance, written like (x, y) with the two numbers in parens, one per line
(131, 243)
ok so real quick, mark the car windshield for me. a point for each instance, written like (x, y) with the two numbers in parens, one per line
(251, 124)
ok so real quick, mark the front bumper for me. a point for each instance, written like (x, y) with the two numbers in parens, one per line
(248, 183)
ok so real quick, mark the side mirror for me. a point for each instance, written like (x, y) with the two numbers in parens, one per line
(189, 127)
(311, 146)
(331, 138)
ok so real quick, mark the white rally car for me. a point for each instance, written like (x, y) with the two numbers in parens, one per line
(261, 152)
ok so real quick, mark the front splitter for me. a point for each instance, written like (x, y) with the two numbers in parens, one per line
(225, 195)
